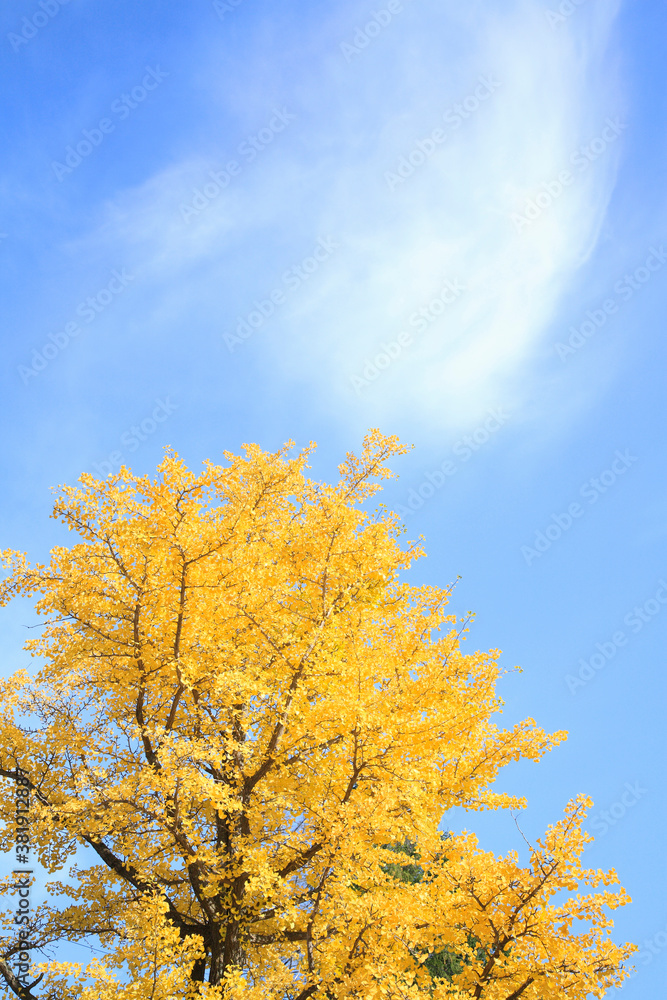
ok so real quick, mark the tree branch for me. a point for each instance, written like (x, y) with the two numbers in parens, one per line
(15, 985)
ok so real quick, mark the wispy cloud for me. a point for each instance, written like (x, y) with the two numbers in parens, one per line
(456, 217)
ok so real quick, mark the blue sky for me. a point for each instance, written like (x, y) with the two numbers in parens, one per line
(244, 221)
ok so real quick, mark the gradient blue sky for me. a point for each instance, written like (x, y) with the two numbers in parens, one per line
(527, 227)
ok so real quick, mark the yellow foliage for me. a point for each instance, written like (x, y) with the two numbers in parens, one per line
(239, 707)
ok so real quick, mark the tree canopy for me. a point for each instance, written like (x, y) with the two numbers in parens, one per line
(240, 710)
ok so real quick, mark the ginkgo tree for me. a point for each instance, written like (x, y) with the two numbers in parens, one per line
(240, 710)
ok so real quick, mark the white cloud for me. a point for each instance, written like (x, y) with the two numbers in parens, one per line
(452, 218)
